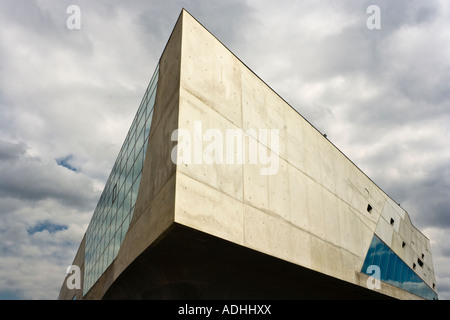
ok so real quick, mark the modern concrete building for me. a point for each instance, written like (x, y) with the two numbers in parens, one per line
(223, 191)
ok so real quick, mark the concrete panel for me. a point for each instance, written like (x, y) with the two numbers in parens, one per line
(262, 108)
(210, 72)
(399, 210)
(358, 207)
(334, 231)
(169, 76)
(355, 235)
(328, 156)
(197, 117)
(376, 198)
(384, 231)
(156, 219)
(206, 209)
(275, 236)
(316, 208)
(255, 187)
(397, 245)
(310, 153)
(405, 231)
(332, 260)
(298, 199)
(390, 215)
(278, 191)
(292, 135)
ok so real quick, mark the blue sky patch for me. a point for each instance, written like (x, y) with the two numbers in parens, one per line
(46, 225)
(65, 162)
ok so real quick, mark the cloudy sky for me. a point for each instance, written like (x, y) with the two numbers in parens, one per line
(67, 99)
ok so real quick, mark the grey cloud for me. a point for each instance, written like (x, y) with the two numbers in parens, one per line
(406, 12)
(11, 151)
(30, 178)
(429, 197)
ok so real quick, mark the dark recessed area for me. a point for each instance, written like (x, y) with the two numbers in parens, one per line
(420, 262)
(369, 208)
(189, 264)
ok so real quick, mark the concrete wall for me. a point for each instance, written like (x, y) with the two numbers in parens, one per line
(397, 231)
(313, 211)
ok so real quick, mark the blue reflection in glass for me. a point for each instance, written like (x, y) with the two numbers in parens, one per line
(394, 271)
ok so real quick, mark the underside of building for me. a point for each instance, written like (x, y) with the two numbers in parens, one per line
(188, 264)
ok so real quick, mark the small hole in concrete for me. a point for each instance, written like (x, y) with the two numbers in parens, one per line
(420, 262)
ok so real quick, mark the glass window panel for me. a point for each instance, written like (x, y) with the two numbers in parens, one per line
(116, 242)
(140, 125)
(102, 240)
(396, 272)
(130, 163)
(140, 139)
(390, 267)
(123, 230)
(133, 138)
(104, 261)
(151, 92)
(150, 106)
(120, 214)
(101, 244)
(110, 252)
(129, 218)
(132, 131)
(148, 123)
(130, 178)
(141, 110)
(377, 254)
(138, 164)
(137, 183)
(113, 226)
(121, 179)
(107, 233)
(127, 203)
(370, 255)
(108, 217)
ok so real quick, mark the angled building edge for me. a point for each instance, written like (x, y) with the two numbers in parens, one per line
(299, 221)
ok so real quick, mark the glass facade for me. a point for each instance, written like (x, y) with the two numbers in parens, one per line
(394, 271)
(115, 208)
